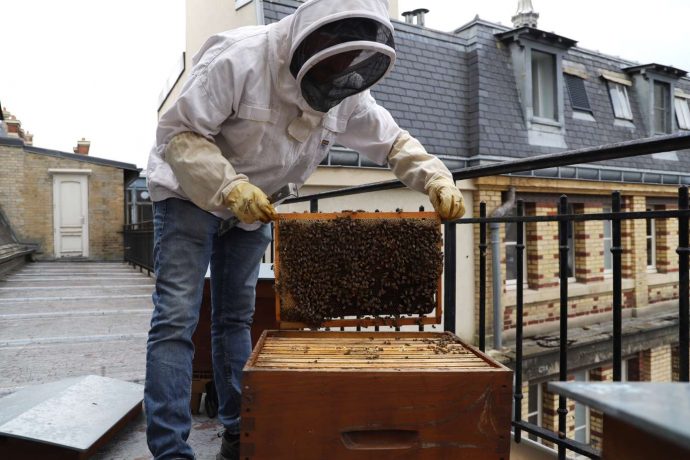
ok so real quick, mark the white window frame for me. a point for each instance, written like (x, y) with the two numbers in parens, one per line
(540, 408)
(682, 112)
(662, 108)
(620, 101)
(650, 234)
(512, 282)
(586, 426)
(571, 242)
(539, 83)
(608, 272)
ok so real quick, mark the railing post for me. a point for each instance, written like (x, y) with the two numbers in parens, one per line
(482, 277)
(683, 250)
(449, 278)
(421, 324)
(563, 274)
(616, 251)
(520, 248)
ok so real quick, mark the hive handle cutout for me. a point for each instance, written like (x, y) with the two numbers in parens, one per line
(380, 439)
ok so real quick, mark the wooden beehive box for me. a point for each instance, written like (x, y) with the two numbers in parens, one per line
(358, 269)
(384, 395)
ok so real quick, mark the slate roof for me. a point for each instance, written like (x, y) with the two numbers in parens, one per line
(457, 93)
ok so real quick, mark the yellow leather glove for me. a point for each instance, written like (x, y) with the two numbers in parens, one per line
(250, 204)
(446, 198)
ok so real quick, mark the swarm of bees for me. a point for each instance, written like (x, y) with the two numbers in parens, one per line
(331, 268)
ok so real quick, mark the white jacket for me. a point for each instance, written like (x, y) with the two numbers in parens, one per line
(241, 97)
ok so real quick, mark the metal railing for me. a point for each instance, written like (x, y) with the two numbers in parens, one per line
(134, 238)
(139, 245)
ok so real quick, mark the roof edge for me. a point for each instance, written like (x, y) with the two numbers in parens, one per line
(12, 142)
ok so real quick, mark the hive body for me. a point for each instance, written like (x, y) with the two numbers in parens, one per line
(350, 395)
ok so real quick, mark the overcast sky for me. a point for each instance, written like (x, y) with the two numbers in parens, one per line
(85, 68)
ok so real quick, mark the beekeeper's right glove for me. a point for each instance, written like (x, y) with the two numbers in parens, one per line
(249, 204)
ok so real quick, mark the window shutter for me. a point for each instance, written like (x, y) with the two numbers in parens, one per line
(578, 93)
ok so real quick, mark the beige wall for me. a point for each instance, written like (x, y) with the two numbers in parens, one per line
(207, 17)
(26, 196)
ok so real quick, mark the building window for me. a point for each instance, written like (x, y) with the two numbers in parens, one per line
(651, 244)
(581, 413)
(682, 113)
(608, 234)
(630, 370)
(544, 93)
(571, 244)
(578, 93)
(534, 407)
(620, 101)
(511, 253)
(662, 108)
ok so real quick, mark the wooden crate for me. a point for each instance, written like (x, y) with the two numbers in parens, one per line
(387, 318)
(359, 395)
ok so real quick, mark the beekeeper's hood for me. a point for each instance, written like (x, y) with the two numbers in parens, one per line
(339, 48)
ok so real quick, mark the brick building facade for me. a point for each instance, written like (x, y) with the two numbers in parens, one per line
(487, 93)
(28, 181)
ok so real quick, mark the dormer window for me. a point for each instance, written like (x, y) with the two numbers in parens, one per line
(544, 85)
(682, 111)
(620, 101)
(655, 85)
(538, 65)
(662, 108)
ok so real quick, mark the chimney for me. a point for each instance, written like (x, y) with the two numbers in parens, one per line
(14, 126)
(415, 15)
(525, 15)
(82, 147)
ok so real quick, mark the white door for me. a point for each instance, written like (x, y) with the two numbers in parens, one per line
(70, 215)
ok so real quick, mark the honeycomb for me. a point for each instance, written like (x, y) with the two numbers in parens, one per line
(332, 268)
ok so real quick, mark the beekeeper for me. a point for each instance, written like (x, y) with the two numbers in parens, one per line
(261, 109)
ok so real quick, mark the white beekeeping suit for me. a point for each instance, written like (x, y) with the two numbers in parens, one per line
(263, 105)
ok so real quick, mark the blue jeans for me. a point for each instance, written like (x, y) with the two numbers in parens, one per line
(185, 241)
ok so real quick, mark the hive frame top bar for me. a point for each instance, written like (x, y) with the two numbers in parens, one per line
(435, 318)
(318, 338)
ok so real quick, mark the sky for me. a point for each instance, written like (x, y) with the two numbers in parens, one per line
(94, 69)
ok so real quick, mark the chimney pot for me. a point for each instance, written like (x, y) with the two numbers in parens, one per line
(82, 147)
(409, 17)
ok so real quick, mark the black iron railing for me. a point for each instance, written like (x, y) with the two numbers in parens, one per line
(139, 245)
(135, 236)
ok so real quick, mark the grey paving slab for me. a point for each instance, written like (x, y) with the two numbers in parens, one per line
(24, 365)
(70, 331)
(93, 320)
(83, 304)
(37, 326)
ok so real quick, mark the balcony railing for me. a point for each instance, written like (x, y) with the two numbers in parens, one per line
(139, 246)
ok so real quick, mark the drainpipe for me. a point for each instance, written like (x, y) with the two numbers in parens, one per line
(260, 18)
(496, 266)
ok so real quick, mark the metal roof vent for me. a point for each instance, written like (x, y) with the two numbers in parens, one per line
(415, 16)
(525, 15)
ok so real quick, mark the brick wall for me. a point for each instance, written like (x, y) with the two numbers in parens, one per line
(589, 250)
(666, 243)
(26, 196)
(655, 364)
(596, 418)
(634, 255)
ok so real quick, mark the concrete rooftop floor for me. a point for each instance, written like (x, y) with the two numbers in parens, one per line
(67, 319)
